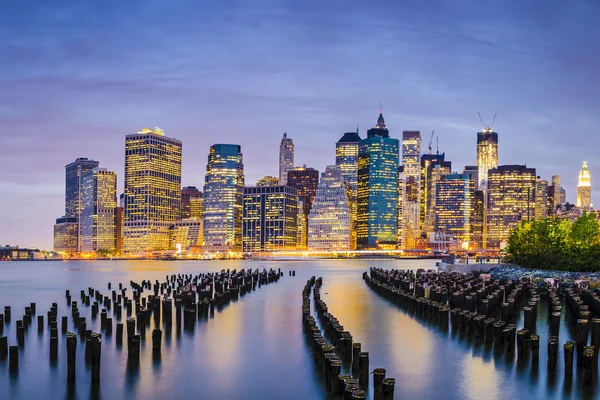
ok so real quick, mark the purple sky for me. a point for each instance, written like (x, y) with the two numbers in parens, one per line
(76, 77)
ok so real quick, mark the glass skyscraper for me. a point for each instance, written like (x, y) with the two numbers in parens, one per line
(511, 198)
(433, 167)
(152, 197)
(269, 221)
(98, 219)
(65, 235)
(223, 190)
(329, 222)
(377, 214)
(454, 206)
(305, 181)
(411, 165)
(74, 173)
(487, 156)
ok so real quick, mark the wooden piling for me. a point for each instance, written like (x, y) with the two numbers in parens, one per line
(71, 356)
(96, 340)
(552, 352)
(156, 340)
(13, 357)
(568, 349)
(582, 334)
(378, 377)
(535, 349)
(356, 348)
(363, 367)
(388, 388)
(3, 346)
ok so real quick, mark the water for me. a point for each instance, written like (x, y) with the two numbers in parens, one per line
(255, 347)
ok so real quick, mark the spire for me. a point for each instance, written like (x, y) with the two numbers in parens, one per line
(357, 128)
(380, 120)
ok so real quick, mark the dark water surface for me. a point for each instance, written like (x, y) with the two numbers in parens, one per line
(255, 347)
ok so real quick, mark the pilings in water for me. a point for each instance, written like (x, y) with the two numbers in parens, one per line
(334, 346)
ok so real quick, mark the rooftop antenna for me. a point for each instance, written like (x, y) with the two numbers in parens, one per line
(381, 105)
(437, 147)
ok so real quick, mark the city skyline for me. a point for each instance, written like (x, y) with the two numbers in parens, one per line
(60, 112)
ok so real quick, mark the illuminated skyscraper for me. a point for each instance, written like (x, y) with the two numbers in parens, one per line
(192, 203)
(152, 197)
(477, 231)
(411, 163)
(286, 158)
(511, 198)
(473, 172)
(541, 198)
(268, 181)
(454, 206)
(119, 225)
(65, 235)
(269, 218)
(487, 155)
(305, 181)
(584, 189)
(433, 166)
(346, 157)
(98, 218)
(329, 221)
(223, 190)
(401, 235)
(377, 216)
(74, 172)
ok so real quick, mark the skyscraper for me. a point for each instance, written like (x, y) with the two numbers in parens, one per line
(487, 155)
(74, 172)
(584, 189)
(402, 237)
(305, 181)
(269, 218)
(186, 234)
(541, 198)
(286, 159)
(454, 206)
(98, 211)
(346, 157)
(223, 190)
(473, 172)
(329, 222)
(152, 197)
(192, 203)
(433, 167)
(511, 198)
(411, 163)
(477, 231)
(377, 216)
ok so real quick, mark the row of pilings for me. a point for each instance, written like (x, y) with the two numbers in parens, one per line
(485, 310)
(333, 349)
(193, 297)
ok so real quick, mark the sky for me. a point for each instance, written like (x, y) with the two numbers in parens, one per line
(76, 77)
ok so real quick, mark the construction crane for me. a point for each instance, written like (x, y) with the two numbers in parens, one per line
(431, 141)
(483, 124)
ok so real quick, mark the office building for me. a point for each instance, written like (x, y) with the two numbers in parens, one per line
(98, 211)
(433, 167)
(511, 199)
(377, 193)
(329, 220)
(152, 196)
(454, 207)
(119, 225)
(584, 189)
(186, 234)
(65, 235)
(269, 218)
(73, 173)
(487, 155)
(411, 164)
(473, 173)
(401, 235)
(305, 181)
(192, 203)
(541, 198)
(286, 158)
(223, 190)
(478, 226)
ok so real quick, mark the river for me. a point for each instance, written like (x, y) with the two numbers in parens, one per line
(255, 347)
